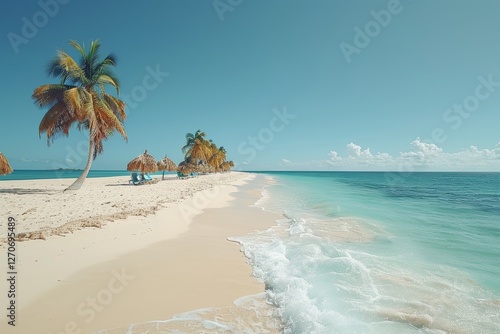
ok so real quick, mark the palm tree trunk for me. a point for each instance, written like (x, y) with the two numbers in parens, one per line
(79, 182)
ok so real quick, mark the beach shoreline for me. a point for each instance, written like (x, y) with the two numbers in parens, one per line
(144, 267)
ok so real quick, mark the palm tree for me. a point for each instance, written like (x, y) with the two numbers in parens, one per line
(225, 166)
(81, 99)
(218, 158)
(197, 148)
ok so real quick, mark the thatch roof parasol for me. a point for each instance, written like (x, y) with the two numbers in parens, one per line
(202, 168)
(4, 165)
(186, 168)
(166, 164)
(206, 168)
(144, 163)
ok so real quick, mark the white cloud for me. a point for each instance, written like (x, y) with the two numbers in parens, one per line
(355, 151)
(422, 152)
(420, 156)
(357, 156)
(383, 156)
(334, 156)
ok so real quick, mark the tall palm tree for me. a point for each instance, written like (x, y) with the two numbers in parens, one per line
(81, 99)
(197, 148)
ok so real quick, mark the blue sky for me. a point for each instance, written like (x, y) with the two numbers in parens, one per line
(303, 85)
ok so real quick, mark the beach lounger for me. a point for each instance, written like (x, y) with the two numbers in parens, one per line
(134, 179)
(182, 176)
(147, 178)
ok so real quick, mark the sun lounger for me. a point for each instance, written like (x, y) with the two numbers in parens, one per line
(182, 176)
(134, 179)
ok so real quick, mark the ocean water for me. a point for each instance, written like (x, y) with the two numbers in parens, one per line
(377, 252)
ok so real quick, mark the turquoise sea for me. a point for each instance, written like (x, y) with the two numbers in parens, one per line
(376, 252)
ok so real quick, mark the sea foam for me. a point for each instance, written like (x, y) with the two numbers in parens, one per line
(328, 270)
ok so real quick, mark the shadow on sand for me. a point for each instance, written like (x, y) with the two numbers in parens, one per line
(24, 191)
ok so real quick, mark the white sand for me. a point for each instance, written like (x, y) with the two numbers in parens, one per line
(161, 249)
(42, 208)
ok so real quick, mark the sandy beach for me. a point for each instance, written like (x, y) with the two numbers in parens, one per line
(112, 255)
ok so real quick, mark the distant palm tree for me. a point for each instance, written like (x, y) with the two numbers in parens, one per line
(81, 99)
(218, 158)
(225, 166)
(197, 148)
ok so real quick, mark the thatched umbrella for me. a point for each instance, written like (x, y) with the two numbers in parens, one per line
(203, 168)
(144, 163)
(206, 168)
(4, 165)
(185, 167)
(166, 164)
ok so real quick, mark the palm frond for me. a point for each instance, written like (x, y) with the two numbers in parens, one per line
(78, 102)
(54, 69)
(93, 54)
(71, 68)
(116, 105)
(56, 122)
(48, 95)
(107, 119)
(108, 79)
(78, 47)
(110, 60)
